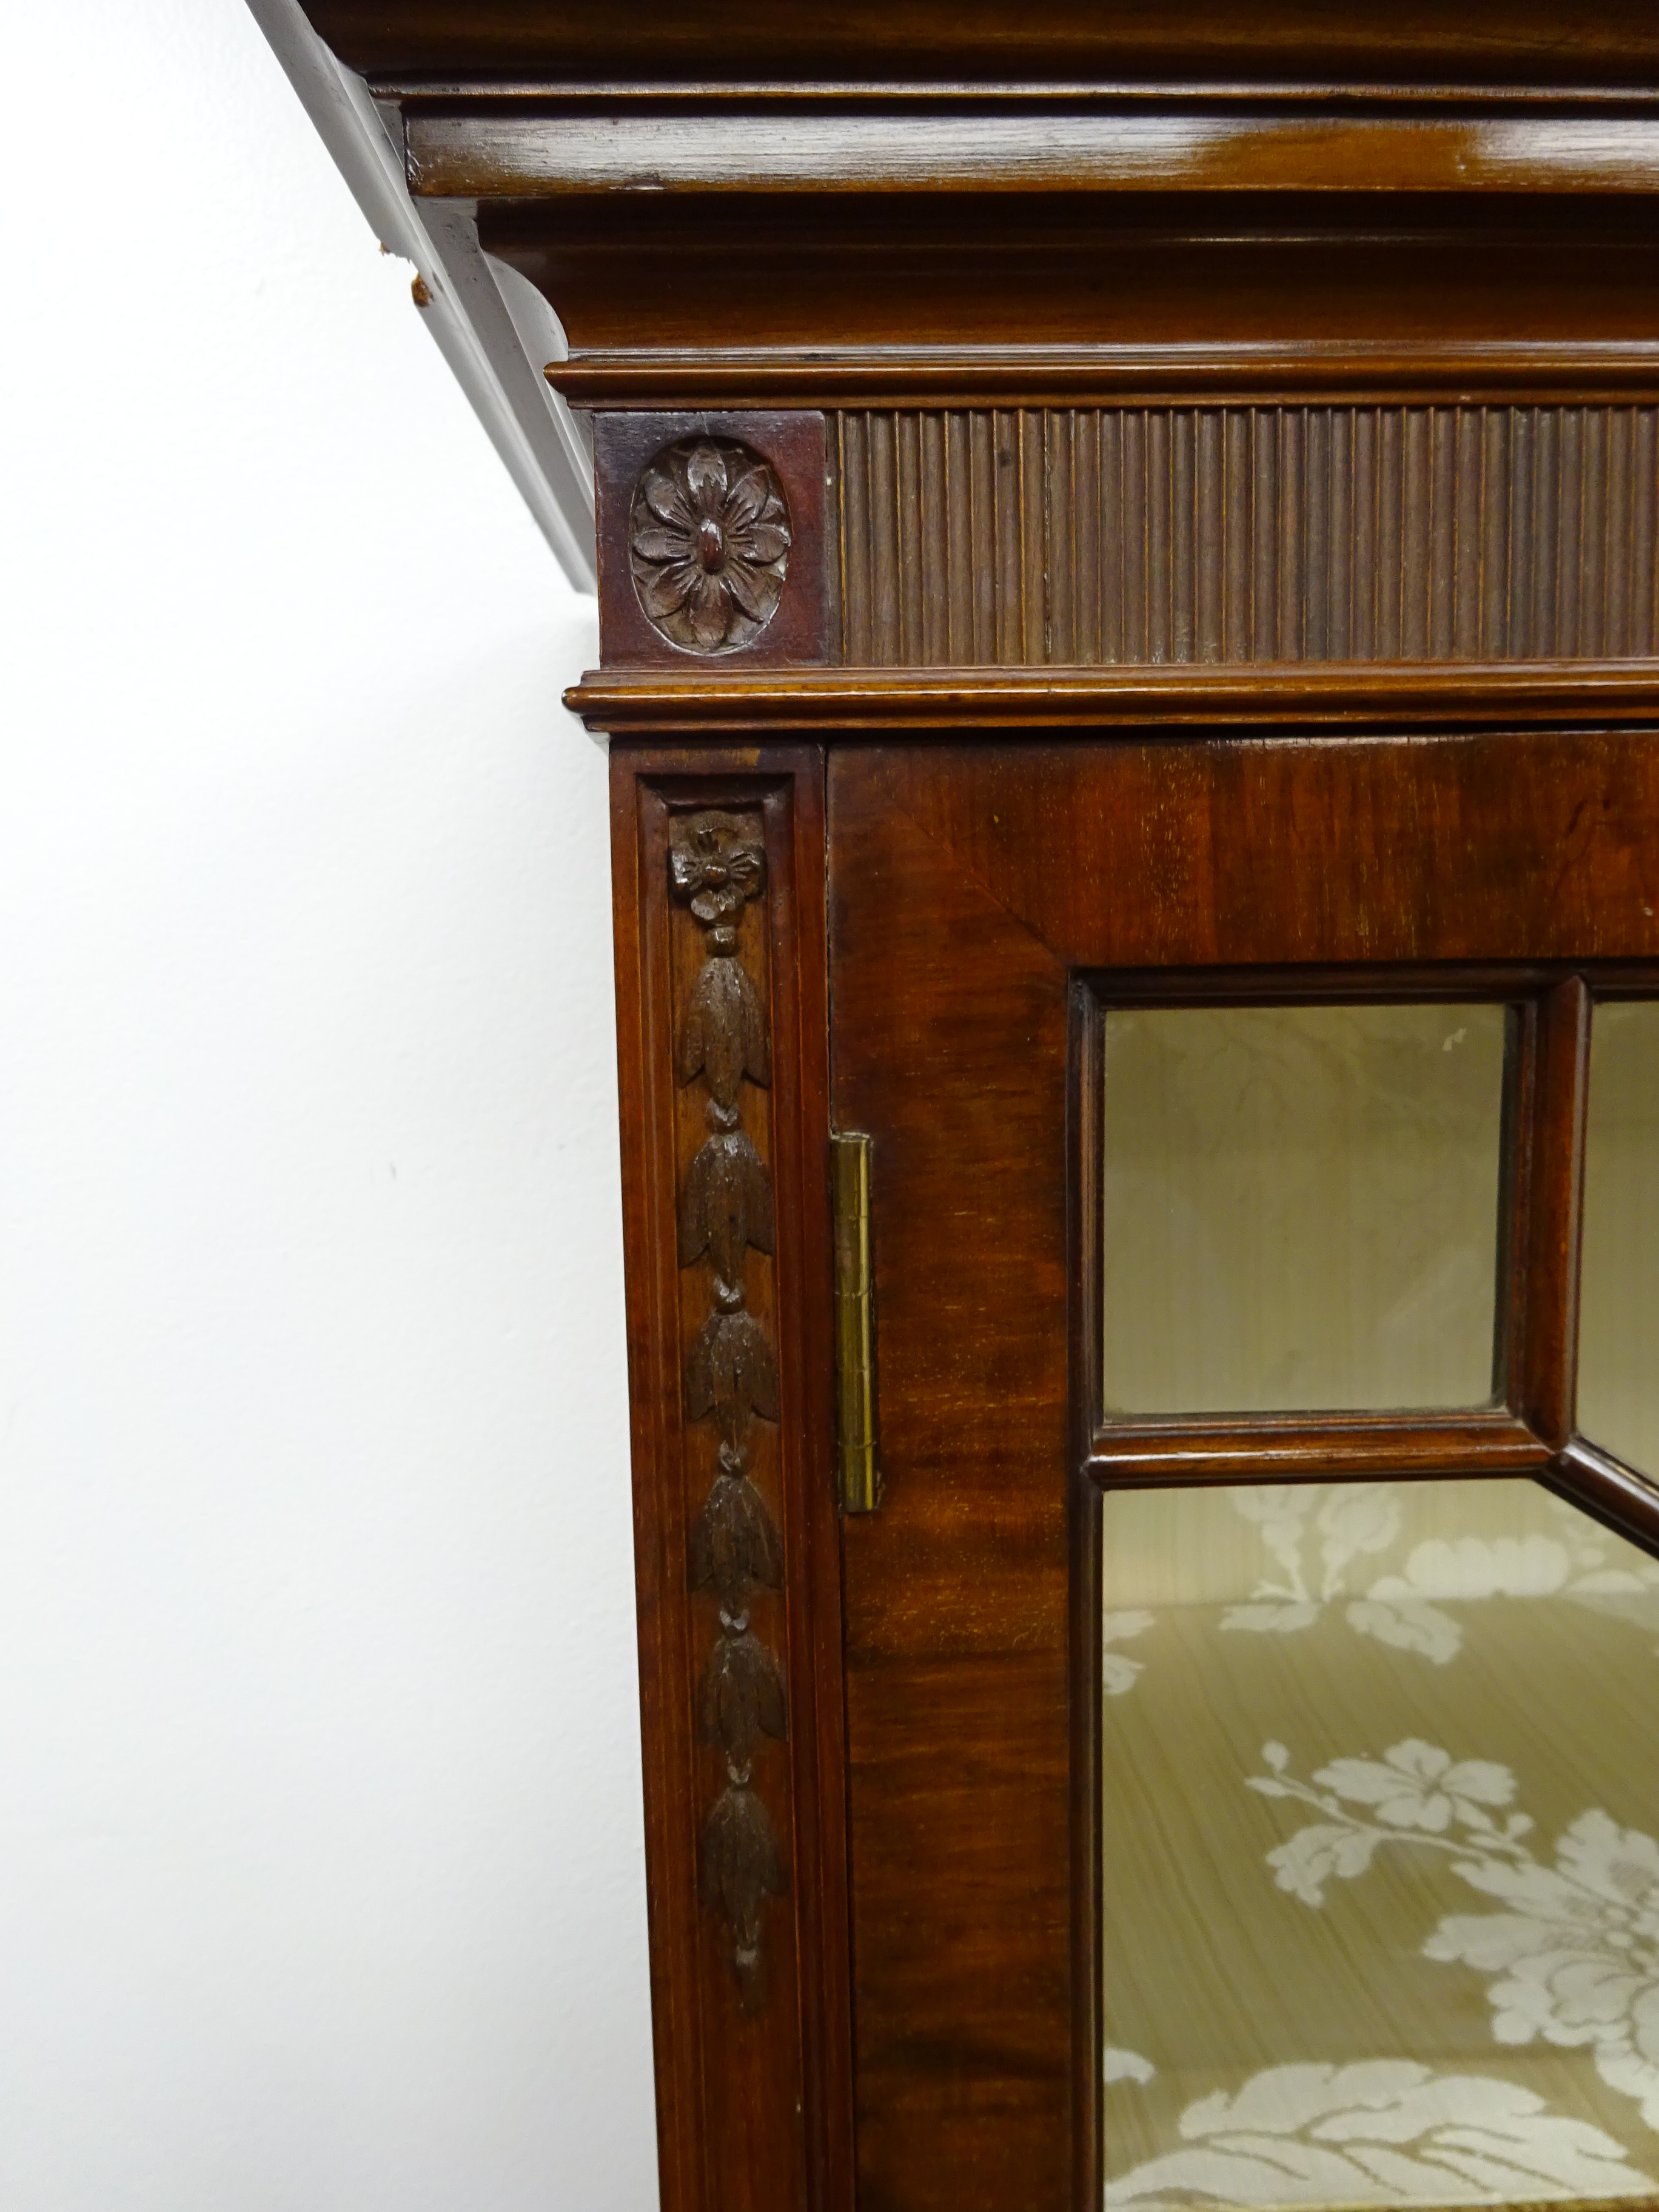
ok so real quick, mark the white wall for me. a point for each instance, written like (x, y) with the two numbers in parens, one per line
(320, 1873)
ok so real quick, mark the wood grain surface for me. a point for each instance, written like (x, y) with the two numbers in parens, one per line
(1040, 700)
(1371, 372)
(970, 883)
(631, 270)
(1480, 42)
(1287, 533)
(753, 2099)
(514, 155)
(1240, 554)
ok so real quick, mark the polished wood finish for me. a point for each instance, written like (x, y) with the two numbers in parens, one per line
(1486, 372)
(798, 148)
(1551, 1227)
(1205, 544)
(633, 275)
(752, 2098)
(1606, 1488)
(1167, 536)
(1315, 1448)
(1480, 43)
(1287, 533)
(1438, 847)
(693, 700)
(790, 447)
(970, 883)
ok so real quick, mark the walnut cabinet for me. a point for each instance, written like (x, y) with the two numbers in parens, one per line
(1128, 566)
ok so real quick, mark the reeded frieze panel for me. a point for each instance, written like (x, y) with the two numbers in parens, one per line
(1148, 535)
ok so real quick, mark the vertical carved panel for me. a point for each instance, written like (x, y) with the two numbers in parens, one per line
(722, 1032)
(717, 864)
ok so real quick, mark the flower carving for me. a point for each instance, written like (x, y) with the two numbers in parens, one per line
(709, 542)
(715, 867)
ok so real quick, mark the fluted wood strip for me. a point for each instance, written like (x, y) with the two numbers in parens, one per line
(1059, 528)
(1035, 611)
(906, 497)
(1111, 536)
(1616, 594)
(1644, 568)
(958, 582)
(1497, 431)
(1342, 526)
(1085, 514)
(933, 570)
(1209, 525)
(1141, 536)
(1316, 533)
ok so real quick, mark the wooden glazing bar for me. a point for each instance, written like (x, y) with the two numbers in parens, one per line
(1555, 1181)
(1295, 1448)
(1617, 1497)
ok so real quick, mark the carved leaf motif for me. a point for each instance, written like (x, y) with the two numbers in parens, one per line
(726, 1205)
(742, 1697)
(766, 541)
(734, 1544)
(723, 1032)
(668, 502)
(660, 544)
(705, 472)
(731, 1374)
(670, 588)
(742, 1867)
(710, 606)
(749, 498)
(747, 589)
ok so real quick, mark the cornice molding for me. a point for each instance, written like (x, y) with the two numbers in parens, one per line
(533, 153)
(1357, 372)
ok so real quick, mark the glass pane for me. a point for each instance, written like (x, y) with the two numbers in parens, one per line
(1619, 1316)
(1380, 1849)
(1300, 1206)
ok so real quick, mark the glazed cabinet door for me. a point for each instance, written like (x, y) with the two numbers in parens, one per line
(1249, 1657)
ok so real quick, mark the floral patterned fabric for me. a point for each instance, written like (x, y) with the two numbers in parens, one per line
(1380, 1835)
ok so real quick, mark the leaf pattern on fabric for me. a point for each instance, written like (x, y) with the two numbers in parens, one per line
(1383, 2131)
(1574, 1956)
(1315, 1533)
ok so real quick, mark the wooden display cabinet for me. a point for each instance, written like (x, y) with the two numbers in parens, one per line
(1097, 509)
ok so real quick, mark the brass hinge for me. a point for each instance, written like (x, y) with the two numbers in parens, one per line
(855, 1378)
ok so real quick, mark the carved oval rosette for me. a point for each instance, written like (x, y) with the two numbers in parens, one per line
(715, 867)
(708, 542)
